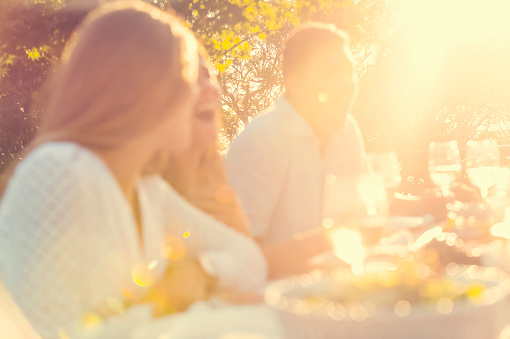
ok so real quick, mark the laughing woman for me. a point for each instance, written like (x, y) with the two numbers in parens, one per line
(199, 173)
(88, 231)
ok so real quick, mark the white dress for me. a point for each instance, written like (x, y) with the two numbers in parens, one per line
(69, 242)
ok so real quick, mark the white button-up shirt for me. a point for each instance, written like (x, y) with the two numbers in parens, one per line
(278, 171)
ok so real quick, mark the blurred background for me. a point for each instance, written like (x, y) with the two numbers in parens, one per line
(432, 70)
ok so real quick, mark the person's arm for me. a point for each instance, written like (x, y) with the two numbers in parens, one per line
(232, 258)
(293, 257)
(283, 259)
(257, 167)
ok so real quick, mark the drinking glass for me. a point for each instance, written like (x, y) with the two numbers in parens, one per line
(371, 207)
(444, 164)
(386, 169)
(482, 164)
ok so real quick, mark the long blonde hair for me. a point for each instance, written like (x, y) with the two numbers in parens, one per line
(126, 68)
(122, 73)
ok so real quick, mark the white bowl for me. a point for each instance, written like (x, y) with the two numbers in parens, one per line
(305, 318)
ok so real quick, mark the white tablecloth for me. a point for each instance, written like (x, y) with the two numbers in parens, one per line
(210, 320)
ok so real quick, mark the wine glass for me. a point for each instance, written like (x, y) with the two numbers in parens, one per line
(371, 207)
(444, 164)
(482, 164)
(386, 169)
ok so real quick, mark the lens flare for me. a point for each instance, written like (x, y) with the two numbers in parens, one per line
(116, 305)
(173, 247)
(224, 194)
(327, 223)
(358, 313)
(323, 97)
(143, 274)
(402, 308)
(152, 264)
(126, 292)
(444, 305)
(62, 334)
(91, 320)
(336, 312)
(475, 292)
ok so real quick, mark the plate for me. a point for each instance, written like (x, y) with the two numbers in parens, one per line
(314, 306)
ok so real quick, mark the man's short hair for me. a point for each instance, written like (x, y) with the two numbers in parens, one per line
(304, 41)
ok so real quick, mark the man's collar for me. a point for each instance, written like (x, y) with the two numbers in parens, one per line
(294, 124)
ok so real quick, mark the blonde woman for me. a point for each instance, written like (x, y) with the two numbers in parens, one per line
(198, 173)
(86, 232)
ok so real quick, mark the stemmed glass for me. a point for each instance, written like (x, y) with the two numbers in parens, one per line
(386, 170)
(371, 207)
(482, 164)
(444, 164)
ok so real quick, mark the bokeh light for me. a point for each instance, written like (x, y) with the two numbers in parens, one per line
(323, 97)
(444, 305)
(126, 292)
(144, 274)
(336, 311)
(327, 223)
(224, 194)
(62, 334)
(402, 308)
(173, 248)
(91, 320)
(116, 305)
(358, 312)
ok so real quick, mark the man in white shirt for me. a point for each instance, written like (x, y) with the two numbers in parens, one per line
(279, 163)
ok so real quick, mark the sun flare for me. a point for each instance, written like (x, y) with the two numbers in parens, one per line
(437, 24)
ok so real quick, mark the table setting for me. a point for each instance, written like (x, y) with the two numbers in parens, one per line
(410, 276)
(389, 275)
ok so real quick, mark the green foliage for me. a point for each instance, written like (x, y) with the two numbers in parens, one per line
(245, 40)
(32, 36)
(396, 108)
